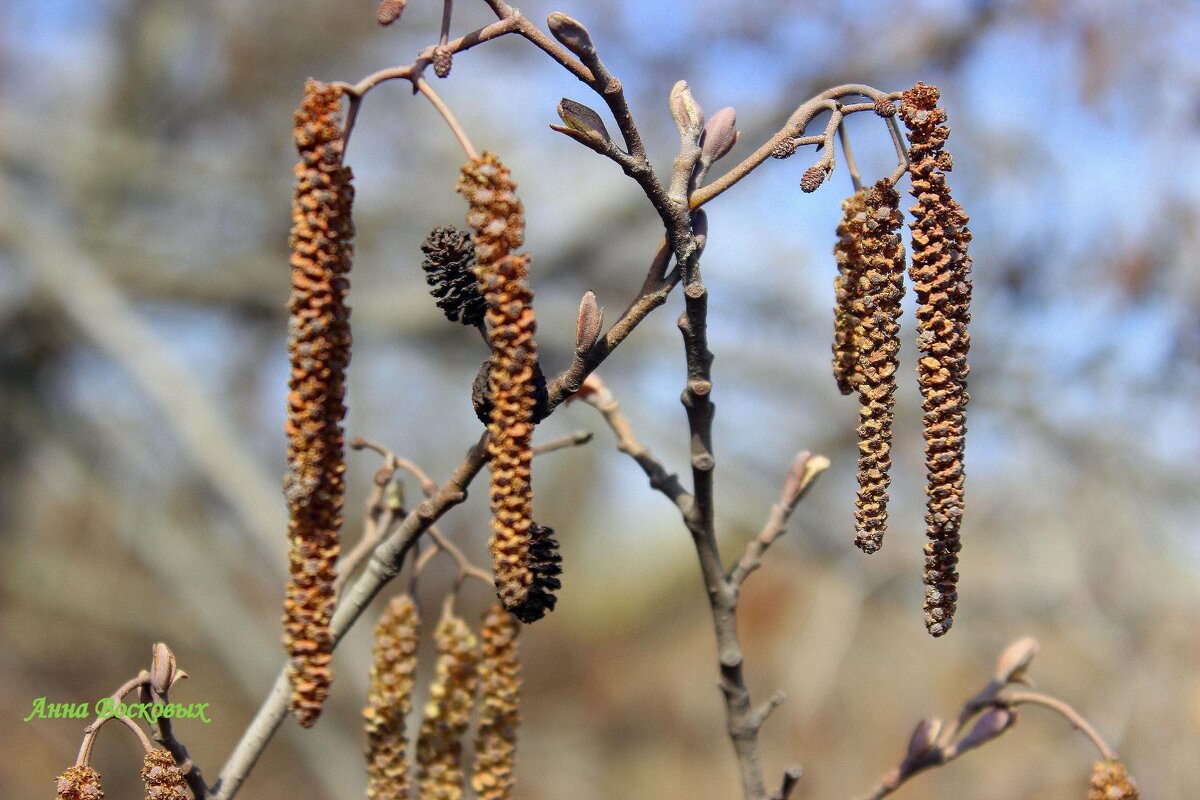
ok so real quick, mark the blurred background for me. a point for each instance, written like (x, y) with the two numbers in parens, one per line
(145, 177)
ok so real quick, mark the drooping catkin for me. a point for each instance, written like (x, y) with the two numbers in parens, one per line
(448, 712)
(389, 700)
(78, 783)
(162, 777)
(499, 713)
(319, 350)
(876, 347)
(847, 292)
(1111, 781)
(940, 274)
(496, 217)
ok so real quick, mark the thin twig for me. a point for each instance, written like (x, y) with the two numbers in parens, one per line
(424, 88)
(385, 563)
(570, 440)
(851, 165)
(1068, 713)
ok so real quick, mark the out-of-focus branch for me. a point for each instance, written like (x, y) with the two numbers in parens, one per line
(385, 563)
(989, 713)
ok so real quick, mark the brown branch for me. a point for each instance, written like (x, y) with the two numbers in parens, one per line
(561, 443)
(1068, 713)
(598, 395)
(804, 471)
(792, 129)
(385, 563)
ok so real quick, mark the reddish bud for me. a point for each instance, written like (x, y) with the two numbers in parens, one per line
(720, 135)
(571, 33)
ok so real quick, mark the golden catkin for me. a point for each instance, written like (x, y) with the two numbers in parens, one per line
(162, 777)
(496, 217)
(1110, 781)
(78, 783)
(319, 349)
(847, 293)
(389, 700)
(448, 713)
(876, 346)
(500, 714)
(940, 274)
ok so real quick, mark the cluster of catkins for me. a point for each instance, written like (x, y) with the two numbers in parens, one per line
(464, 669)
(868, 290)
(480, 281)
(319, 351)
(160, 774)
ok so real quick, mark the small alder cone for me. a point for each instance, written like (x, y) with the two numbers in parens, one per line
(449, 267)
(162, 777)
(443, 60)
(389, 700)
(319, 349)
(940, 274)
(499, 711)
(1110, 781)
(866, 346)
(78, 783)
(448, 713)
(389, 11)
(545, 565)
(496, 217)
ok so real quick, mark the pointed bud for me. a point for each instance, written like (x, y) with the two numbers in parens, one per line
(684, 109)
(163, 669)
(571, 33)
(587, 326)
(804, 470)
(582, 119)
(991, 724)
(720, 135)
(1011, 666)
(923, 738)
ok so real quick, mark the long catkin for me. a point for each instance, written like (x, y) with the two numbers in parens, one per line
(440, 773)
(319, 351)
(940, 274)
(499, 706)
(389, 700)
(495, 215)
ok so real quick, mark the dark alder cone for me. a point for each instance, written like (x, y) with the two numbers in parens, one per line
(499, 706)
(545, 565)
(1110, 781)
(443, 60)
(876, 347)
(481, 398)
(450, 272)
(448, 713)
(496, 216)
(78, 783)
(162, 777)
(940, 274)
(389, 700)
(319, 350)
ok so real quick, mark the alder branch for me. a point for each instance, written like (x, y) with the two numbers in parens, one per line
(384, 564)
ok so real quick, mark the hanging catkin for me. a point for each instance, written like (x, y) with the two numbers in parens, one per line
(940, 275)
(162, 777)
(389, 700)
(319, 349)
(874, 307)
(495, 215)
(499, 706)
(1110, 781)
(78, 783)
(448, 712)
(847, 291)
